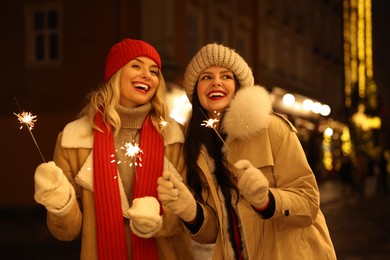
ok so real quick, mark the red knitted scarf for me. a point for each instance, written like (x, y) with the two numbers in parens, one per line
(111, 237)
(145, 183)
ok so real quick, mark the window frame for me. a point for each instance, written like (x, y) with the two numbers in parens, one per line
(32, 60)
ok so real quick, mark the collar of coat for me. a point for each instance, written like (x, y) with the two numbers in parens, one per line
(248, 113)
(79, 134)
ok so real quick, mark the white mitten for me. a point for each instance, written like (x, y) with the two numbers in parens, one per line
(52, 189)
(145, 219)
(174, 194)
(252, 184)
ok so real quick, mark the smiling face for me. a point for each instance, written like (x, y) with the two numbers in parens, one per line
(216, 88)
(138, 82)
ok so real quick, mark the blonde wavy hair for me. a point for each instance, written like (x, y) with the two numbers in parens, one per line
(106, 98)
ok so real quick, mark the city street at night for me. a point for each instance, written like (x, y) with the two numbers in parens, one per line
(297, 90)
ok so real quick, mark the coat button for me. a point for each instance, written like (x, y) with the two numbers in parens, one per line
(286, 212)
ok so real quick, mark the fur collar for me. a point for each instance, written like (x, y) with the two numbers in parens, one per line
(78, 134)
(249, 112)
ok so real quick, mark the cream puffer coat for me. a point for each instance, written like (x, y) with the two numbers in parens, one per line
(297, 230)
(73, 154)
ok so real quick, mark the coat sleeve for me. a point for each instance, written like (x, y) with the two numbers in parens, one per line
(212, 213)
(295, 188)
(67, 227)
(208, 232)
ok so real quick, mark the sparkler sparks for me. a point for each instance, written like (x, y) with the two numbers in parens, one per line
(163, 123)
(29, 120)
(212, 123)
(133, 151)
(26, 118)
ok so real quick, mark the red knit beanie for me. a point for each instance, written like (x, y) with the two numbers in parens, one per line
(126, 50)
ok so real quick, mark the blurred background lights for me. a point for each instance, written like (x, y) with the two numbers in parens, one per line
(328, 131)
(178, 105)
(307, 104)
(288, 99)
(297, 106)
(325, 110)
(316, 107)
(302, 104)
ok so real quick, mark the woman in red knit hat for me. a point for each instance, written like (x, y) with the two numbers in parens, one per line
(102, 182)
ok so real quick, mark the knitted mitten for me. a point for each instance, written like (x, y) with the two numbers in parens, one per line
(174, 194)
(252, 184)
(52, 189)
(145, 219)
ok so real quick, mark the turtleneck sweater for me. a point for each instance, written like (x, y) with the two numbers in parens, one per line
(131, 124)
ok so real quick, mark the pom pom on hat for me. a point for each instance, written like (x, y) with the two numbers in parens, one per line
(216, 55)
(126, 50)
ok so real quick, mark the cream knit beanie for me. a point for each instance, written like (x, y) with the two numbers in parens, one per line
(216, 55)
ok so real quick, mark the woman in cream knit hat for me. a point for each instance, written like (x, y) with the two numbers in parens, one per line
(101, 190)
(251, 190)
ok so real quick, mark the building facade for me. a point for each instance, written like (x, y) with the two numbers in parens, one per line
(54, 53)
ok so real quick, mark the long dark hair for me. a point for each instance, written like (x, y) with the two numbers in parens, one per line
(196, 135)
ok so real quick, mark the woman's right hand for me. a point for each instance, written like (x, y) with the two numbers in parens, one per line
(52, 188)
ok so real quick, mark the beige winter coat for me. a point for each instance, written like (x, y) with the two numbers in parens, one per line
(297, 230)
(73, 154)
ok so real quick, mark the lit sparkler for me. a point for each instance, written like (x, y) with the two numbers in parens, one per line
(26, 118)
(133, 151)
(212, 123)
(29, 120)
(163, 123)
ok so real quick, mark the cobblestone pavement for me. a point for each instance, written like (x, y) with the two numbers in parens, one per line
(360, 229)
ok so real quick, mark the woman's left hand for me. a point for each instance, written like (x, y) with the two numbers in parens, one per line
(252, 184)
(145, 219)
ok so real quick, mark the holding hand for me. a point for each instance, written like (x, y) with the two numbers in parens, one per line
(252, 184)
(145, 219)
(52, 188)
(175, 195)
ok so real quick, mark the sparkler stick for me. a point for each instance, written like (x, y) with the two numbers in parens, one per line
(211, 123)
(29, 120)
(163, 124)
